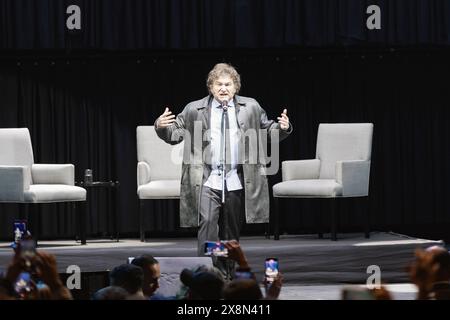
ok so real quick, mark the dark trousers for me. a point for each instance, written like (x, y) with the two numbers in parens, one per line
(217, 221)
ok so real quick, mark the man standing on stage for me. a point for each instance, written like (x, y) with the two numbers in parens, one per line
(200, 126)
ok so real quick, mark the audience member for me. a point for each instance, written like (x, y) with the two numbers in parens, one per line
(242, 289)
(431, 273)
(152, 273)
(129, 277)
(41, 268)
(203, 284)
(236, 253)
(111, 293)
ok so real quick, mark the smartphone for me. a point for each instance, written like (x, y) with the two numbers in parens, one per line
(271, 269)
(23, 285)
(357, 293)
(215, 248)
(243, 275)
(20, 228)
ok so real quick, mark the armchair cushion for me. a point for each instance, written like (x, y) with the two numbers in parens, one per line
(41, 193)
(300, 169)
(53, 174)
(354, 177)
(160, 189)
(14, 180)
(307, 188)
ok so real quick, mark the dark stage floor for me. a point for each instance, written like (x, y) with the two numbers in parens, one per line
(304, 259)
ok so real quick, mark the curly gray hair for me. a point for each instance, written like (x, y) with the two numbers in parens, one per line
(223, 69)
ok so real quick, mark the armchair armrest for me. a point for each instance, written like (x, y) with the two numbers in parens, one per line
(300, 169)
(53, 174)
(14, 180)
(143, 173)
(353, 175)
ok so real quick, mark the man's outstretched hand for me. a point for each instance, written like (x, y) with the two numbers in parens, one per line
(284, 120)
(166, 119)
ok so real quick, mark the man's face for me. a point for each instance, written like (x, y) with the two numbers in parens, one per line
(223, 88)
(151, 279)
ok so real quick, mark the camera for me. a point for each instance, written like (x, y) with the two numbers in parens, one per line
(271, 269)
(23, 285)
(216, 248)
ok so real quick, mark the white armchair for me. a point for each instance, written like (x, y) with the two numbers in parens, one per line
(158, 170)
(341, 169)
(23, 181)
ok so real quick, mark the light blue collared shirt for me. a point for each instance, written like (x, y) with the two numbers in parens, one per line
(232, 179)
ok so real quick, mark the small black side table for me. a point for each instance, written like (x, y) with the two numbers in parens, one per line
(111, 186)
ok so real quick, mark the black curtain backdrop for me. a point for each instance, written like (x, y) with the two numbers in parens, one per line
(84, 108)
(193, 24)
(82, 94)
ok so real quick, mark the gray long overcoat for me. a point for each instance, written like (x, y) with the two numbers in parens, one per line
(192, 126)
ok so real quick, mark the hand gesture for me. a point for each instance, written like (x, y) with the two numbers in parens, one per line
(16, 266)
(47, 270)
(166, 119)
(284, 120)
(235, 253)
(273, 289)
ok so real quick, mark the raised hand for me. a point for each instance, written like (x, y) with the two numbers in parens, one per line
(284, 120)
(235, 253)
(47, 269)
(166, 119)
(273, 289)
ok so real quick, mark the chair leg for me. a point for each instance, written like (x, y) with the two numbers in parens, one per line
(25, 215)
(82, 212)
(31, 216)
(267, 226)
(36, 217)
(366, 209)
(319, 221)
(141, 220)
(31, 212)
(74, 213)
(267, 232)
(333, 220)
(276, 219)
(116, 214)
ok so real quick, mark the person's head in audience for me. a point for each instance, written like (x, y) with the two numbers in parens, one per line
(44, 268)
(152, 273)
(203, 284)
(242, 289)
(440, 289)
(441, 259)
(111, 293)
(430, 273)
(129, 277)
